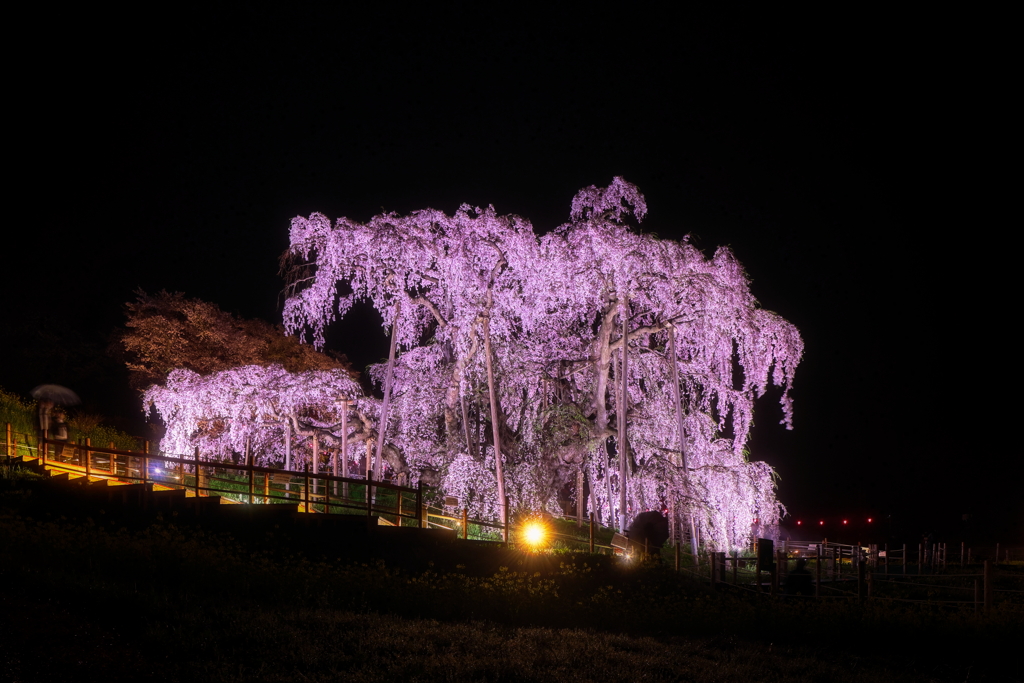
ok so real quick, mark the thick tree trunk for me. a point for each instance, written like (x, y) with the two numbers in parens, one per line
(378, 463)
(622, 408)
(495, 428)
(678, 399)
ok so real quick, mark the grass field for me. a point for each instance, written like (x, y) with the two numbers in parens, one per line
(96, 599)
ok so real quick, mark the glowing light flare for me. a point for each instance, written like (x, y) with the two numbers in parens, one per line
(534, 534)
(845, 521)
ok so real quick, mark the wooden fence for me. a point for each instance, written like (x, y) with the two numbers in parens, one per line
(313, 492)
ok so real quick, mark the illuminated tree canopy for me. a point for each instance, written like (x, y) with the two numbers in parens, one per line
(594, 348)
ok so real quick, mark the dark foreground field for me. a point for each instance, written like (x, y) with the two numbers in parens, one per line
(92, 598)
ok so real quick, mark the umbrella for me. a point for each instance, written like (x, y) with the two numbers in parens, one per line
(56, 393)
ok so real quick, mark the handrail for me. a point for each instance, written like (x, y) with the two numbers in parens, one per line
(314, 489)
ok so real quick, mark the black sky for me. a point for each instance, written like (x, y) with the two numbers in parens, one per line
(850, 162)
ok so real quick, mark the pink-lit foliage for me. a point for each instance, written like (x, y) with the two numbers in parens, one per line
(267, 411)
(553, 305)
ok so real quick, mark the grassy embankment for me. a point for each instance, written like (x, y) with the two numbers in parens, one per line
(20, 413)
(87, 597)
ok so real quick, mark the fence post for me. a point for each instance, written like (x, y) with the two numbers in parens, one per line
(678, 543)
(592, 541)
(465, 523)
(506, 521)
(266, 488)
(817, 582)
(41, 447)
(252, 482)
(197, 477)
(305, 488)
(987, 579)
(145, 462)
(735, 563)
(7, 442)
(85, 452)
(757, 572)
(369, 495)
(419, 504)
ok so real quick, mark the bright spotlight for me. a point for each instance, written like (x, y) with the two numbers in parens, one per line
(534, 534)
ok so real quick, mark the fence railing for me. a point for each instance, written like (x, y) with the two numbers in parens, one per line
(311, 492)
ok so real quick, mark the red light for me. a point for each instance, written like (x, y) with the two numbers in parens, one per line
(869, 520)
(822, 522)
(798, 522)
(844, 521)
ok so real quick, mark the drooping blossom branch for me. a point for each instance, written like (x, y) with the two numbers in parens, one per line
(582, 372)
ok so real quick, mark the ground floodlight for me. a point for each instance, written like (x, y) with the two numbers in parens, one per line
(534, 534)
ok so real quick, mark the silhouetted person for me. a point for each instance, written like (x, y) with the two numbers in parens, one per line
(44, 412)
(799, 581)
(60, 432)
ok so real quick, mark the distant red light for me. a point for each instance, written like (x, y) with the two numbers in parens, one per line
(844, 521)
(822, 522)
(869, 520)
(798, 522)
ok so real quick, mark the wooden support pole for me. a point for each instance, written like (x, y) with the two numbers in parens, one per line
(592, 540)
(735, 565)
(197, 474)
(8, 442)
(757, 573)
(579, 498)
(817, 582)
(507, 522)
(419, 504)
(369, 494)
(305, 487)
(592, 544)
(465, 523)
(266, 488)
(86, 453)
(987, 587)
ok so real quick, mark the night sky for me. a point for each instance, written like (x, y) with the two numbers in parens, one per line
(851, 164)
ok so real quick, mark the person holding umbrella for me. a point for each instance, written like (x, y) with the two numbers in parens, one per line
(48, 396)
